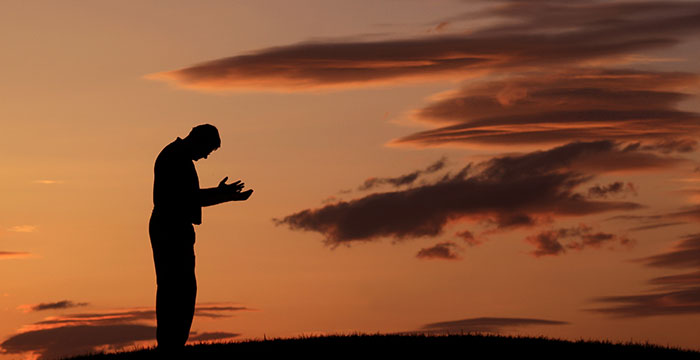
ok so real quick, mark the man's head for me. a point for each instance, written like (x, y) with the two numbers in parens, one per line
(203, 139)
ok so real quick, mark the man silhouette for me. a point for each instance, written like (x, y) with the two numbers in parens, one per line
(177, 205)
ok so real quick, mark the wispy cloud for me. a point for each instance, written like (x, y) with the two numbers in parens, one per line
(72, 334)
(403, 180)
(551, 242)
(445, 250)
(555, 107)
(534, 35)
(67, 341)
(58, 305)
(14, 255)
(510, 191)
(23, 228)
(210, 336)
(48, 182)
(676, 294)
(616, 188)
(486, 324)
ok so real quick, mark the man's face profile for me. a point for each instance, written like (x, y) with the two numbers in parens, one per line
(203, 151)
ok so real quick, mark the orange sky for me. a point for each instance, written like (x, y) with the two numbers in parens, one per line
(312, 99)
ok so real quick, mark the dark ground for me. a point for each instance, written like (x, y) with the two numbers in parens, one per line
(411, 346)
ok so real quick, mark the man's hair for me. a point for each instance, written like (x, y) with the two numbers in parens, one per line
(206, 134)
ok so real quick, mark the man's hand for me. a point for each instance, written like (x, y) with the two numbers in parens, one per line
(233, 191)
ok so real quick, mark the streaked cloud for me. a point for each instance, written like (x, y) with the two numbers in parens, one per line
(14, 255)
(532, 35)
(560, 106)
(210, 336)
(403, 180)
(58, 305)
(53, 343)
(486, 324)
(78, 333)
(23, 228)
(674, 294)
(48, 182)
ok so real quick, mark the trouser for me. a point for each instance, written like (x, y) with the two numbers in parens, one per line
(173, 254)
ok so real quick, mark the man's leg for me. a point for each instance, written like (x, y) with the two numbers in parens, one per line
(173, 255)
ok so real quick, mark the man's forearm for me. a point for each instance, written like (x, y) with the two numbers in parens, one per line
(212, 196)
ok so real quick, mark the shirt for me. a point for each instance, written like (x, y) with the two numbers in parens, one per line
(176, 185)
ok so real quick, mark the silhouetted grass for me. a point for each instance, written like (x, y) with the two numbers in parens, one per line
(392, 346)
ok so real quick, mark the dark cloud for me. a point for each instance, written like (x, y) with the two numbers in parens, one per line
(486, 324)
(687, 213)
(532, 36)
(678, 294)
(402, 180)
(683, 145)
(618, 187)
(655, 226)
(572, 104)
(444, 250)
(550, 242)
(504, 101)
(64, 304)
(72, 334)
(469, 238)
(676, 280)
(502, 189)
(546, 243)
(677, 302)
(71, 340)
(686, 254)
(13, 254)
(209, 336)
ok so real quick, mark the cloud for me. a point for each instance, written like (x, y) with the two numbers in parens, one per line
(618, 187)
(686, 254)
(402, 180)
(209, 336)
(486, 324)
(72, 334)
(130, 315)
(23, 228)
(549, 242)
(559, 106)
(48, 182)
(63, 304)
(14, 255)
(655, 226)
(71, 340)
(533, 35)
(469, 238)
(686, 213)
(444, 250)
(677, 294)
(504, 189)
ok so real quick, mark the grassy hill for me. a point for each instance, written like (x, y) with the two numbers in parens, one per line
(399, 346)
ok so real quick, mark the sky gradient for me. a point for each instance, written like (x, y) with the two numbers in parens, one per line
(522, 167)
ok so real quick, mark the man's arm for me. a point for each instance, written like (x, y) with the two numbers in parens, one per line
(223, 193)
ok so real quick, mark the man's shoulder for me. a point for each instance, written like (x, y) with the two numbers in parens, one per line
(172, 151)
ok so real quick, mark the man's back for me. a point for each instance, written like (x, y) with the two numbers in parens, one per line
(176, 185)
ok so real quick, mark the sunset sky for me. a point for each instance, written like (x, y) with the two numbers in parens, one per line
(513, 166)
